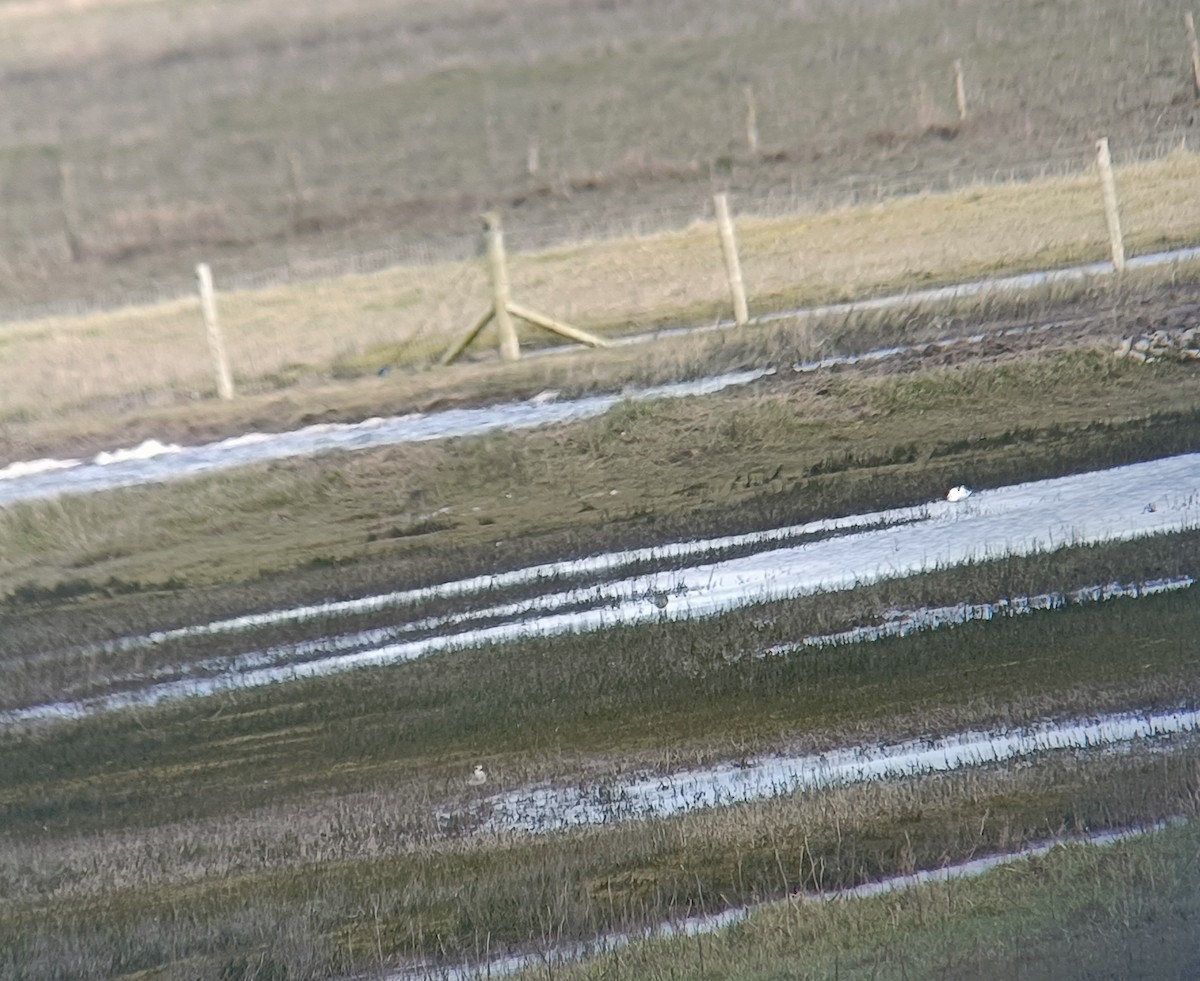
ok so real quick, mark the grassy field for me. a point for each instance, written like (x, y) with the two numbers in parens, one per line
(207, 832)
(1128, 912)
(295, 826)
(324, 827)
(289, 339)
(257, 134)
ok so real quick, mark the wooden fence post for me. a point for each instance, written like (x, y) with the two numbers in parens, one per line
(70, 208)
(510, 348)
(216, 345)
(751, 120)
(296, 188)
(1190, 24)
(1109, 186)
(733, 267)
(960, 92)
(503, 309)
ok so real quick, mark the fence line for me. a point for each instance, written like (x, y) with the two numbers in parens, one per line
(534, 236)
(368, 326)
(363, 170)
(278, 190)
(821, 194)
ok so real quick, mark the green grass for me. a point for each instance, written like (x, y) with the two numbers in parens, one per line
(783, 450)
(622, 694)
(231, 899)
(1130, 910)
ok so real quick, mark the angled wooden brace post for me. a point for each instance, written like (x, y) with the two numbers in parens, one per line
(503, 309)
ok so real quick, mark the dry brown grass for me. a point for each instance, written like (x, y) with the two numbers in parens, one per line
(38, 33)
(354, 324)
(398, 817)
(355, 854)
(276, 516)
(636, 109)
(20, 9)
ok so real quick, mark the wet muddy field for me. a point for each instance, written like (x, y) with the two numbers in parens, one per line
(1000, 643)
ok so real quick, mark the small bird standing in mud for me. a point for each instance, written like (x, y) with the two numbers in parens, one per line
(478, 776)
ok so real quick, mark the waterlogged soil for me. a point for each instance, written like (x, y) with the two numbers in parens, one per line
(355, 792)
(360, 767)
(160, 558)
(1102, 317)
(683, 580)
(295, 830)
(623, 877)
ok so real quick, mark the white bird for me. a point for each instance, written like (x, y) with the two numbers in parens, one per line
(478, 777)
(959, 493)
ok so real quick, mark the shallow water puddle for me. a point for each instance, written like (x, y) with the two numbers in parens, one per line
(901, 623)
(563, 954)
(1156, 497)
(897, 623)
(154, 461)
(530, 574)
(544, 809)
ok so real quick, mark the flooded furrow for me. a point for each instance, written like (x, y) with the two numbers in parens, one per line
(564, 954)
(155, 462)
(548, 809)
(901, 623)
(1153, 498)
(594, 565)
(896, 623)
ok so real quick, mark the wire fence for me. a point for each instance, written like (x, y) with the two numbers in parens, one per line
(355, 313)
(567, 224)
